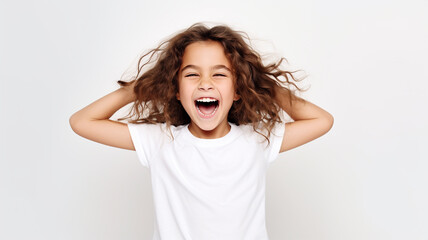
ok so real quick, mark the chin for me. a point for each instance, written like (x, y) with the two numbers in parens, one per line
(206, 126)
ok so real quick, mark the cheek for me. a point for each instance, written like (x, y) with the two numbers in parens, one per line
(185, 96)
(180, 91)
(229, 91)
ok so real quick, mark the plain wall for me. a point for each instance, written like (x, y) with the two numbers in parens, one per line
(366, 65)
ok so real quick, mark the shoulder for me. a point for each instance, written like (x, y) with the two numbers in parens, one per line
(147, 129)
(146, 126)
(259, 130)
(249, 135)
(156, 129)
(245, 128)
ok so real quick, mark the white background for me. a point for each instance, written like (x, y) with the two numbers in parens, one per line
(367, 66)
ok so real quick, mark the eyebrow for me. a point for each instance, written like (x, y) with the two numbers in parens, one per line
(220, 66)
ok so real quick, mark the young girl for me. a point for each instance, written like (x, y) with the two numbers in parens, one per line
(207, 125)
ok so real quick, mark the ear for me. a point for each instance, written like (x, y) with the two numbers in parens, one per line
(236, 97)
(177, 96)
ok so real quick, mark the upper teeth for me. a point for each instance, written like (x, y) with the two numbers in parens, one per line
(206, 100)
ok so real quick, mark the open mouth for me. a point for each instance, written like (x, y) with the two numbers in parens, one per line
(206, 106)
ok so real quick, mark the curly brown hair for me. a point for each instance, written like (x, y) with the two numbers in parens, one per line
(254, 82)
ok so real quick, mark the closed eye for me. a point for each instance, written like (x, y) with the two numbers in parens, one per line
(191, 75)
(219, 75)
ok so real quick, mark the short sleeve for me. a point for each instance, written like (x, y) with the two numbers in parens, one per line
(146, 140)
(275, 139)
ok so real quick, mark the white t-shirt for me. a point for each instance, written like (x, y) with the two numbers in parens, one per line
(207, 189)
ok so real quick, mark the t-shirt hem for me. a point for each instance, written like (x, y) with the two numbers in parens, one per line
(276, 141)
(137, 144)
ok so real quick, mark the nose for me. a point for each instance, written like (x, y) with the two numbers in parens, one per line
(205, 84)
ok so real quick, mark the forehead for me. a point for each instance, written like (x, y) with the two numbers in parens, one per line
(204, 54)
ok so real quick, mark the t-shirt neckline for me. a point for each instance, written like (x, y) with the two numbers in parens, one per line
(204, 142)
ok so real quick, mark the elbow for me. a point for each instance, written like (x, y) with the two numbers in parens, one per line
(73, 121)
(324, 124)
(329, 121)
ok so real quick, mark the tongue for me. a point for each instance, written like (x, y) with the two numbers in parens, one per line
(207, 109)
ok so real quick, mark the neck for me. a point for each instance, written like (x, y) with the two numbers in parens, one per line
(218, 132)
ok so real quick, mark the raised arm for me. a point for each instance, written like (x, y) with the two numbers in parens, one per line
(92, 122)
(310, 121)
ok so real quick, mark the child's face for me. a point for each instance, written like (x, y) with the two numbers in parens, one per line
(206, 88)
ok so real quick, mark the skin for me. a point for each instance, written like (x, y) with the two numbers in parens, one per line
(206, 72)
